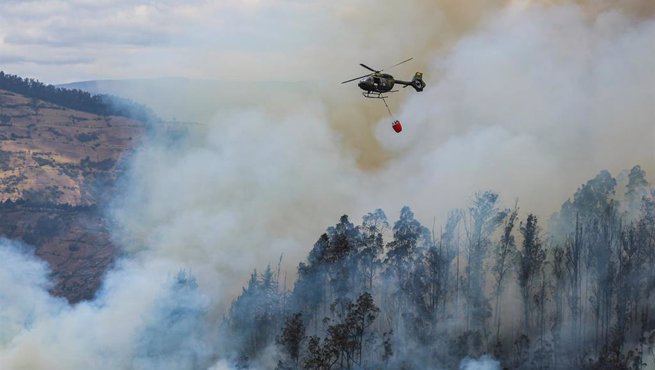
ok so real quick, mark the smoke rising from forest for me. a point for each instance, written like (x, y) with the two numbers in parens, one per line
(526, 99)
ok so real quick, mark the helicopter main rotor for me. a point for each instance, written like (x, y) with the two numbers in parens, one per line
(374, 71)
(369, 68)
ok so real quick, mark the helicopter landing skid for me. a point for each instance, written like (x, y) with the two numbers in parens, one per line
(375, 95)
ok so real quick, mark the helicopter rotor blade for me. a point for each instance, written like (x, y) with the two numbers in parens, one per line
(399, 63)
(369, 68)
(374, 70)
(357, 78)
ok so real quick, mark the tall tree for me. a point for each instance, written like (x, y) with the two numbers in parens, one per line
(603, 238)
(573, 256)
(368, 259)
(636, 189)
(484, 219)
(408, 236)
(502, 259)
(558, 289)
(404, 266)
(531, 259)
(293, 335)
(344, 343)
(331, 269)
(590, 200)
(449, 250)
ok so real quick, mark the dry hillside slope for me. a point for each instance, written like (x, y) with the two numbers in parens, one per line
(55, 166)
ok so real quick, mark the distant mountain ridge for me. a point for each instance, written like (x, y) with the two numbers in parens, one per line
(198, 100)
(78, 99)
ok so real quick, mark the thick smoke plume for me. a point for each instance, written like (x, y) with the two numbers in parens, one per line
(524, 98)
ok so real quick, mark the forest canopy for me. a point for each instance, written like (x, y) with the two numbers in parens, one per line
(492, 282)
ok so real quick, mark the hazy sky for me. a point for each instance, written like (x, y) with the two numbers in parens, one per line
(63, 41)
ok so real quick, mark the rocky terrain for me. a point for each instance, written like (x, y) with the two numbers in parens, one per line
(56, 166)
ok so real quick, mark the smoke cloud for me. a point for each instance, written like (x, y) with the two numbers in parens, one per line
(523, 98)
(145, 318)
(539, 96)
(483, 363)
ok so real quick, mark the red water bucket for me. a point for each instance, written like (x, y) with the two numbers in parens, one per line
(397, 126)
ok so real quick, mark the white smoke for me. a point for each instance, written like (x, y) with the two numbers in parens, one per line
(535, 102)
(239, 195)
(483, 363)
(23, 291)
(144, 318)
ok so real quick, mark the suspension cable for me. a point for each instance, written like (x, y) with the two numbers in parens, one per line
(388, 110)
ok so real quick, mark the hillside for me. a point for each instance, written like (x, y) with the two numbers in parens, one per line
(56, 165)
(101, 104)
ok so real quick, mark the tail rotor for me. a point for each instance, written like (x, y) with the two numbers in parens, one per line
(417, 82)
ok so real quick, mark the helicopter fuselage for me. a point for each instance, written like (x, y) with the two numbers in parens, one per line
(378, 82)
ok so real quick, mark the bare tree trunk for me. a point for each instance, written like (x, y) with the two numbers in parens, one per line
(497, 310)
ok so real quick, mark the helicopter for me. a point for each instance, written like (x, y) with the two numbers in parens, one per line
(376, 84)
